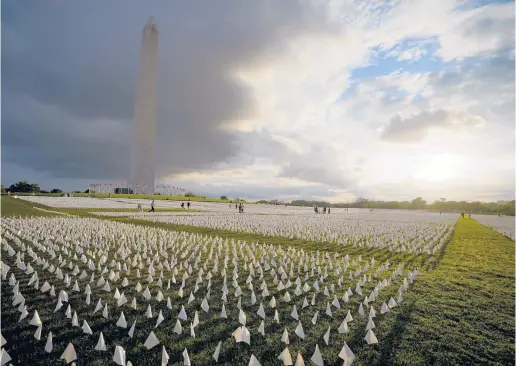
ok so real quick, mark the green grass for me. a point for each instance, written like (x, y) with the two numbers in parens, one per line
(461, 313)
(16, 207)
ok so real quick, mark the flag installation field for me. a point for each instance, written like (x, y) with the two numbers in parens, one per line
(413, 237)
(98, 292)
(77, 202)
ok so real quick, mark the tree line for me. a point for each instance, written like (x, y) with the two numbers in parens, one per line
(26, 187)
(442, 205)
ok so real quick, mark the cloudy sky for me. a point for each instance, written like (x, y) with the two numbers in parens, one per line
(383, 99)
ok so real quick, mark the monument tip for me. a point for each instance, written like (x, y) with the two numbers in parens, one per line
(150, 22)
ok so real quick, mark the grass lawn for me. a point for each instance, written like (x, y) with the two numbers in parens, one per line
(16, 207)
(461, 313)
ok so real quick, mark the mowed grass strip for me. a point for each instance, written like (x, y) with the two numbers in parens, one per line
(461, 313)
(16, 207)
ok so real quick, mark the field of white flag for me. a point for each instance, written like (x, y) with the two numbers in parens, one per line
(92, 291)
(504, 225)
(338, 229)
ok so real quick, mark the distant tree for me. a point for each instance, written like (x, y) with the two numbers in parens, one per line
(24, 187)
(507, 208)
(56, 190)
(43, 191)
(87, 191)
(418, 203)
(223, 198)
(190, 194)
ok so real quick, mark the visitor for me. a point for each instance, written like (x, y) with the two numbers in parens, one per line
(152, 206)
(139, 209)
(188, 205)
(182, 205)
(324, 210)
(328, 210)
(462, 214)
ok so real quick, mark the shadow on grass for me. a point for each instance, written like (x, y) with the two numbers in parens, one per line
(391, 342)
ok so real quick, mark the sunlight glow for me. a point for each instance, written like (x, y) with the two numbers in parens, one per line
(438, 168)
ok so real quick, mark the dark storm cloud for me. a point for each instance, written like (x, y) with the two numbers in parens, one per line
(69, 68)
(47, 140)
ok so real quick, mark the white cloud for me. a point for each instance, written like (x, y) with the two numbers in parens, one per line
(479, 31)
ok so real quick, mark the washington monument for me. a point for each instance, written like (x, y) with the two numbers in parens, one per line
(141, 175)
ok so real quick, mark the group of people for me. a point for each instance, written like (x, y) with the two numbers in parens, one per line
(238, 206)
(316, 210)
(153, 209)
